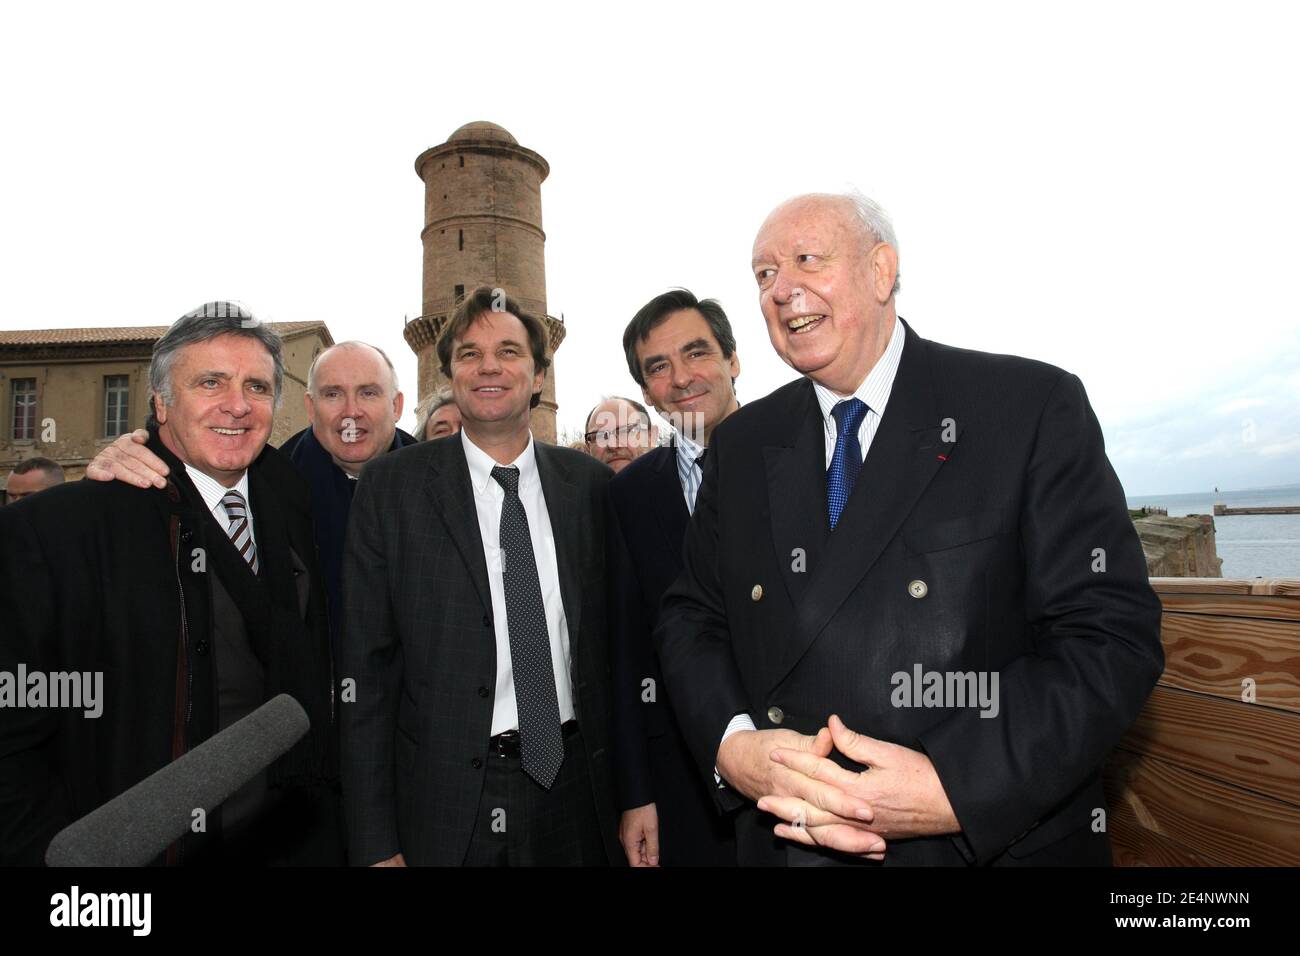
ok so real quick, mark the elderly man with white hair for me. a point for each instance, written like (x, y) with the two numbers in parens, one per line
(924, 544)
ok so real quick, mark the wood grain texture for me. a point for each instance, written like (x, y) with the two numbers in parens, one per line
(1134, 845)
(1200, 586)
(1275, 607)
(1216, 655)
(1244, 745)
(1211, 819)
(1169, 585)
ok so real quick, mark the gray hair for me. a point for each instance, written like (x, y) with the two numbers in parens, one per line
(870, 217)
(207, 322)
(351, 344)
(425, 410)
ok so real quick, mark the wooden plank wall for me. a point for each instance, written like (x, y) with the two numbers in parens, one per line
(1208, 776)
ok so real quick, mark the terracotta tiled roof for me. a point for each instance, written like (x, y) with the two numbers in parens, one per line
(134, 333)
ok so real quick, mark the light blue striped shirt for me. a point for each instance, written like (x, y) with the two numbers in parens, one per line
(689, 470)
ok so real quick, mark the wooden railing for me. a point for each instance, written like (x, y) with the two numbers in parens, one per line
(1210, 773)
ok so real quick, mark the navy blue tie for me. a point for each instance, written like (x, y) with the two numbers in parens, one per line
(847, 459)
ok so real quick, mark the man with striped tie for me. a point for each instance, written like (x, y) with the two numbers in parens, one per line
(198, 602)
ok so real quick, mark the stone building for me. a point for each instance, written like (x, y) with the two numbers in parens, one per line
(482, 226)
(69, 392)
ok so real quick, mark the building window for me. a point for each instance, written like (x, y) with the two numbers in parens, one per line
(117, 389)
(460, 239)
(460, 293)
(24, 411)
(462, 162)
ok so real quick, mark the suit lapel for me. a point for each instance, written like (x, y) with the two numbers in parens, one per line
(565, 512)
(905, 456)
(448, 489)
(669, 501)
(798, 516)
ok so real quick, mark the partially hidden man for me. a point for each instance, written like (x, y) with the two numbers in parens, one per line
(682, 353)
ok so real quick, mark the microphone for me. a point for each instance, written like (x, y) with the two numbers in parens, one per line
(142, 822)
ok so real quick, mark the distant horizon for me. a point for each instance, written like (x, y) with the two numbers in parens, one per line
(284, 178)
(1211, 491)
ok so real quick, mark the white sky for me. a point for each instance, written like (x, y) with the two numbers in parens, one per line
(1111, 188)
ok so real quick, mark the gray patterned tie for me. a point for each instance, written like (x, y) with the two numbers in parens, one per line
(541, 742)
(240, 532)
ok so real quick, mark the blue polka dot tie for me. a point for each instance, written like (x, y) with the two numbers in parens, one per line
(846, 461)
(541, 741)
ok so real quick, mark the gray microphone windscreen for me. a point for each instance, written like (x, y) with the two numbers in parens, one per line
(140, 823)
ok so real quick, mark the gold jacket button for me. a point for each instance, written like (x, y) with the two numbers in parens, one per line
(775, 715)
(757, 593)
(918, 589)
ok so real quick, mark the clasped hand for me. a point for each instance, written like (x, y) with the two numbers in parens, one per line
(898, 796)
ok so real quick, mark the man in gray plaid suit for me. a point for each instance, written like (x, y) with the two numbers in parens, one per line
(476, 727)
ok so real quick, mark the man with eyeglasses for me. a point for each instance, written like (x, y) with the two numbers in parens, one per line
(619, 431)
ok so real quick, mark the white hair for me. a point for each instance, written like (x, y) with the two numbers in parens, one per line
(870, 217)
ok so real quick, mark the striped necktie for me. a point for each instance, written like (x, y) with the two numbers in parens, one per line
(241, 534)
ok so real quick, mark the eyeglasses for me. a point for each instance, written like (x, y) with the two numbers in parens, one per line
(607, 436)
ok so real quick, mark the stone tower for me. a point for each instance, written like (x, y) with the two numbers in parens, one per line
(482, 226)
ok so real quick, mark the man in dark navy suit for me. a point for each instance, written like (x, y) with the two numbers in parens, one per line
(475, 628)
(924, 544)
(682, 353)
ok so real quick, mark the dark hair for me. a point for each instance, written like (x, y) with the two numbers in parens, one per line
(618, 398)
(46, 465)
(659, 308)
(478, 303)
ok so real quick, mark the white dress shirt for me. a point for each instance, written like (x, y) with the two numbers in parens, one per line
(689, 470)
(212, 491)
(488, 499)
(874, 393)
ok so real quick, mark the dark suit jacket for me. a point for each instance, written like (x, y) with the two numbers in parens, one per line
(652, 761)
(331, 500)
(1001, 525)
(420, 644)
(104, 577)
